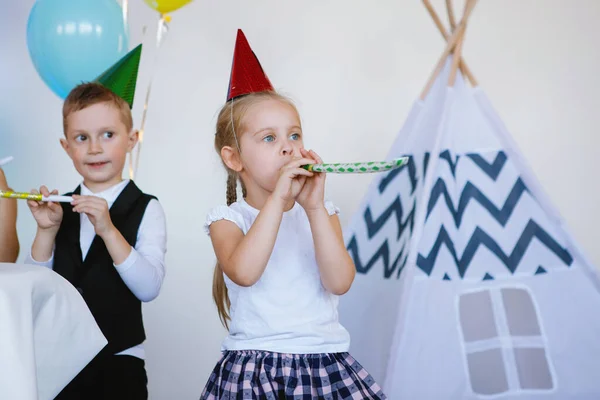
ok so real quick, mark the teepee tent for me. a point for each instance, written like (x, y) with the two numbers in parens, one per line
(469, 285)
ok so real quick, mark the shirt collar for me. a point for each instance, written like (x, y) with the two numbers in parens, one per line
(110, 194)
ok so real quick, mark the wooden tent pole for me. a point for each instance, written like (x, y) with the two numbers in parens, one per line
(436, 18)
(463, 65)
(451, 18)
(458, 53)
(452, 41)
(455, 60)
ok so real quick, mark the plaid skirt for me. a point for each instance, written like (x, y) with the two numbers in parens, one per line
(253, 374)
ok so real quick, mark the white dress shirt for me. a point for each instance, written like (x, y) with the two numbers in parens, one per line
(143, 270)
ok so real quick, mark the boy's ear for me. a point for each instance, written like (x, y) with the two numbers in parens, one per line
(132, 139)
(64, 144)
(231, 158)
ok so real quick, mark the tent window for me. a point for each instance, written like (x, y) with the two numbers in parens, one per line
(520, 313)
(476, 316)
(532, 367)
(503, 342)
(486, 369)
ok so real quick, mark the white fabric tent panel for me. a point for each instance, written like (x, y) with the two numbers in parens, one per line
(431, 362)
(407, 332)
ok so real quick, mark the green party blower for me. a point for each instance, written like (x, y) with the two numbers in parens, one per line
(358, 167)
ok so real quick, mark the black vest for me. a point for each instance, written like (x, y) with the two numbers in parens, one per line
(117, 311)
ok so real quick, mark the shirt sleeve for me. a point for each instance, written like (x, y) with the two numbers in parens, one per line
(223, 212)
(48, 263)
(143, 271)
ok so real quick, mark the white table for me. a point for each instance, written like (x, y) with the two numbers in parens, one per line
(47, 333)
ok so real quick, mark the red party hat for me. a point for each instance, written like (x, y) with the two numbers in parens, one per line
(247, 75)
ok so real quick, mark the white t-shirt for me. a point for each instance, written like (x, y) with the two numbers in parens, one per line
(287, 310)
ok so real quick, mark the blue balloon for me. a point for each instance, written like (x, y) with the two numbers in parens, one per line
(74, 41)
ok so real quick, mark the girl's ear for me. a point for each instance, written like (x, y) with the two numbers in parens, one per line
(231, 158)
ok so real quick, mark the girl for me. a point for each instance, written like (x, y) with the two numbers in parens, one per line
(9, 242)
(281, 259)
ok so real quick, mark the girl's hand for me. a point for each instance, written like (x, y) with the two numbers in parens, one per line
(292, 179)
(311, 197)
(3, 183)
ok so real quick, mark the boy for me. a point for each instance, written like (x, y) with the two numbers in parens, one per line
(110, 242)
(9, 242)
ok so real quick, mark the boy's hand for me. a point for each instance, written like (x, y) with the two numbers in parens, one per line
(48, 215)
(96, 209)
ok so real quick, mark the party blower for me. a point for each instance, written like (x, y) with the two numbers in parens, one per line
(358, 167)
(7, 194)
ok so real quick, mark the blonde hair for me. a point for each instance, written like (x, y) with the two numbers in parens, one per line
(229, 125)
(88, 94)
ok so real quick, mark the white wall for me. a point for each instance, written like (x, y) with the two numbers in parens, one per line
(354, 68)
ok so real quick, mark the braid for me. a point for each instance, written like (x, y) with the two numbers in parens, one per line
(231, 188)
(243, 189)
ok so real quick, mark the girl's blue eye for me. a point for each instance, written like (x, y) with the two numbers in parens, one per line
(108, 135)
(269, 138)
(80, 138)
(295, 136)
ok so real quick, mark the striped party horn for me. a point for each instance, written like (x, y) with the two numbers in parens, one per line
(8, 194)
(358, 167)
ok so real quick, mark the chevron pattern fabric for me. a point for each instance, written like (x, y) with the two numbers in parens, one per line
(481, 222)
(388, 221)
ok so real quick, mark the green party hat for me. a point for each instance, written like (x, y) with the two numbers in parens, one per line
(121, 78)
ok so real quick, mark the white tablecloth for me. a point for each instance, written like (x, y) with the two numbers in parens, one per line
(47, 333)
